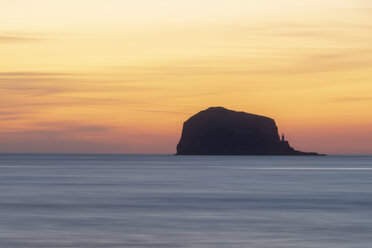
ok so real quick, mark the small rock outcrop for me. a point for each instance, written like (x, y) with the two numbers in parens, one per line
(219, 131)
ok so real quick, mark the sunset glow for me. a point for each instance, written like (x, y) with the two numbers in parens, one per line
(121, 76)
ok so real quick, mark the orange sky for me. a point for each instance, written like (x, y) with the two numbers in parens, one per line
(121, 76)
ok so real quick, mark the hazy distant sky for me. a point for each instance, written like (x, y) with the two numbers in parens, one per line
(122, 76)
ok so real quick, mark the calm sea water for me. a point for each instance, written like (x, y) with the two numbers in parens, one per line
(124, 201)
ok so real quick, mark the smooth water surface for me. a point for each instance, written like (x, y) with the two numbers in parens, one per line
(124, 201)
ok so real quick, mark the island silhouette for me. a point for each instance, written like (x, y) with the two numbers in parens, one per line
(220, 131)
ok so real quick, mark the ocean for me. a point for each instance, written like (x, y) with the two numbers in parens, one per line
(125, 201)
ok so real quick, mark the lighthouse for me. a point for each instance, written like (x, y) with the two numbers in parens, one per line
(283, 137)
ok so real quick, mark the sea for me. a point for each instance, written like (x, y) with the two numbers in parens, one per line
(134, 201)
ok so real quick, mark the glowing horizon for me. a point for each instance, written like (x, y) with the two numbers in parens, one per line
(122, 76)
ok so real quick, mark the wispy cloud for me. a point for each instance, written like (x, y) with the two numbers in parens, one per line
(35, 74)
(352, 99)
(318, 61)
(71, 126)
(18, 39)
(50, 83)
(35, 83)
(58, 128)
(11, 115)
(161, 111)
(25, 95)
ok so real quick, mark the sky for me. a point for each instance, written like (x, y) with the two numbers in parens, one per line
(118, 76)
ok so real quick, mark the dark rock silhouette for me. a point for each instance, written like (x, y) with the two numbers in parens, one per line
(219, 131)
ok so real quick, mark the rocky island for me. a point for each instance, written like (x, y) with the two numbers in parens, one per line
(219, 131)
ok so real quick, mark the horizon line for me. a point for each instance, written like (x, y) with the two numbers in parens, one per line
(103, 153)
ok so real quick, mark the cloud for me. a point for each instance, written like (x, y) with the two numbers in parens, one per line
(161, 111)
(27, 95)
(71, 127)
(352, 99)
(2, 112)
(51, 83)
(47, 142)
(18, 39)
(11, 115)
(317, 61)
(58, 128)
(35, 74)
(36, 82)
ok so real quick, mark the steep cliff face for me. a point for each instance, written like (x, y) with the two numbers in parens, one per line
(219, 131)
